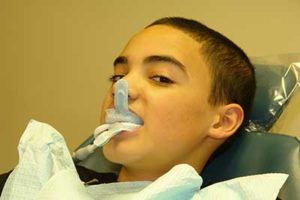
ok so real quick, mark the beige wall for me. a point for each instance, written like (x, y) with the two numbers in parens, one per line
(56, 55)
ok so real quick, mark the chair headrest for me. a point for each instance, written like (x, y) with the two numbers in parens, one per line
(275, 86)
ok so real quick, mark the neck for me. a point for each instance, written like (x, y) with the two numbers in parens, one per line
(150, 172)
(128, 174)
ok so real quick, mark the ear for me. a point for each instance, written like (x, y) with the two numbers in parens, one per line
(226, 122)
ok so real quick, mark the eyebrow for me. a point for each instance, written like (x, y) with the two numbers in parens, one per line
(153, 59)
(164, 58)
(120, 60)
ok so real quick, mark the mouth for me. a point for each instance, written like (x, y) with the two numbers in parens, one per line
(113, 116)
(127, 134)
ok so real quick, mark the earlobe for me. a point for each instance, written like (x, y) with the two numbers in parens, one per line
(226, 122)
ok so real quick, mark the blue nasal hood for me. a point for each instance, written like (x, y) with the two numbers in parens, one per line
(121, 112)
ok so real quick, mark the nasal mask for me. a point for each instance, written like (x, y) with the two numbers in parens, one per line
(116, 120)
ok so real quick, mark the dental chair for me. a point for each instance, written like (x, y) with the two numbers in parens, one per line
(256, 150)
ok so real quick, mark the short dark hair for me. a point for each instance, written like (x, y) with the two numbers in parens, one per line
(233, 76)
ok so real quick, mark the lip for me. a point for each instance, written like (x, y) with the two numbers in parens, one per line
(127, 134)
(135, 113)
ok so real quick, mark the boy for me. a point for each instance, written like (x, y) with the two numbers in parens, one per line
(192, 87)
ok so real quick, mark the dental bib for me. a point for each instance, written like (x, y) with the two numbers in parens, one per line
(116, 120)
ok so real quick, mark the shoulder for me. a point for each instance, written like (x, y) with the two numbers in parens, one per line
(86, 175)
(92, 177)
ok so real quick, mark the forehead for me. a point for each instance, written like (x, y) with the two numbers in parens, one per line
(166, 40)
(162, 39)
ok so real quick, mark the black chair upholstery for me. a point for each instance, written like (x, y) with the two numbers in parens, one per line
(275, 85)
(257, 153)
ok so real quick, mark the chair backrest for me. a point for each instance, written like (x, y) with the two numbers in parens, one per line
(257, 153)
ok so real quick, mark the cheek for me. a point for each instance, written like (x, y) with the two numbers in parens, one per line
(107, 102)
(176, 119)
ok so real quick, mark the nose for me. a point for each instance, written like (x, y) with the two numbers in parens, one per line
(132, 89)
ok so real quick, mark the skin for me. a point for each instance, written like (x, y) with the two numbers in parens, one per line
(169, 86)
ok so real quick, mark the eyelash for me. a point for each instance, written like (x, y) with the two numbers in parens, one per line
(162, 79)
(115, 78)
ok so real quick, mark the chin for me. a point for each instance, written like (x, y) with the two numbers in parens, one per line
(115, 154)
(124, 147)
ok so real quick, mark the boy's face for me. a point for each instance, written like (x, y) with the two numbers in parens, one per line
(169, 85)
